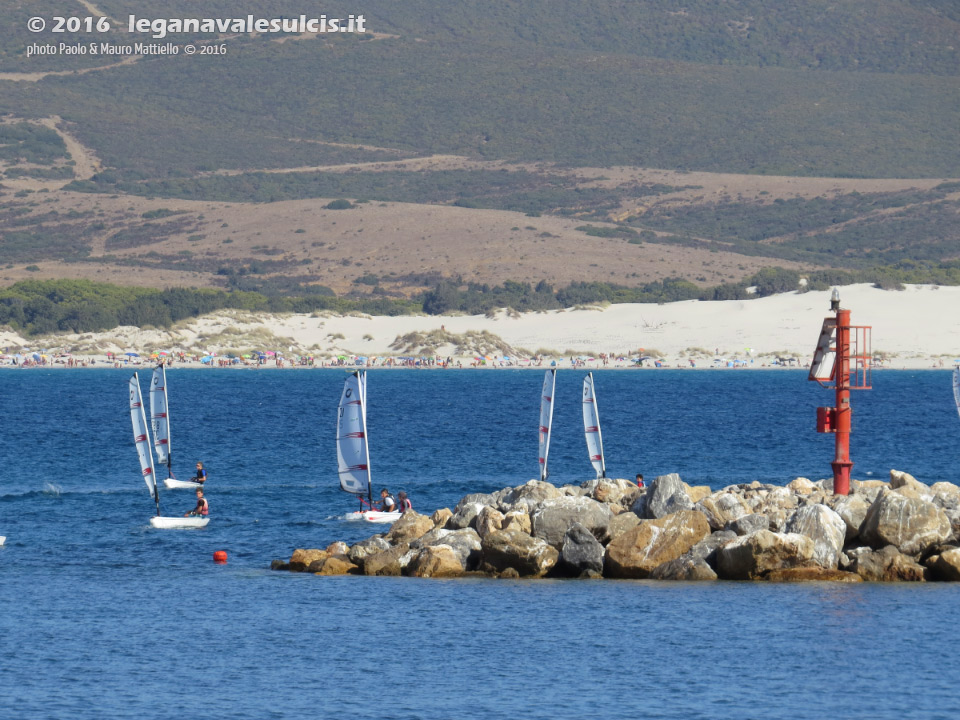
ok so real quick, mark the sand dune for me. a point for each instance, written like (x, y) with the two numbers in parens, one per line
(911, 328)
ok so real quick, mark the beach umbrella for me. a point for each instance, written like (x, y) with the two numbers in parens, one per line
(36, 356)
(132, 354)
(270, 352)
(206, 359)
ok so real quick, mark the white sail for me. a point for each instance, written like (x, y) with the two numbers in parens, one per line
(353, 456)
(141, 438)
(591, 427)
(160, 416)
(546, 418)
(956, 387)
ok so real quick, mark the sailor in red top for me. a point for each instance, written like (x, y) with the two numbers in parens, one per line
(639, 480)
(404, 504)
(202, 509)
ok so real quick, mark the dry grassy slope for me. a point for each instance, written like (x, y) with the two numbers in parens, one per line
(379, 238)
(334, 247)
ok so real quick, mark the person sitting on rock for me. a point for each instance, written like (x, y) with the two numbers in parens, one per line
(387, 503)
(639, 480)
(405, 504)
(202, 509)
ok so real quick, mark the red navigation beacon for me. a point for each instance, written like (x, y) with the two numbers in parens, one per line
(841, 361)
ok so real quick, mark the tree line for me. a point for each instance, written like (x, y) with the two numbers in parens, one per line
(37, 307)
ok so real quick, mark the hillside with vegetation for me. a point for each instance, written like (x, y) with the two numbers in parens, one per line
(461, 146)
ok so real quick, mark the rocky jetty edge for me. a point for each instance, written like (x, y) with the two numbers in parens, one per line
(882, 531)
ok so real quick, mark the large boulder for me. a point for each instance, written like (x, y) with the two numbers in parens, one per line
(527, 555)
(947, 565)
(945, 494)
(909, 524)
(581, 553)
(707, 548)
(529, 496)
(825, 527)
(410, 526)
(441, 517)
(777, 503)
(554, 517)
(666, 495)
(868, 488)
(465, 543)
(619, 524)
(696, 493)
(722, 508)
(852, 509)
(685, 567)
(465, 515)
(388, 562)
(434, 537)
(635, 553)
(908, 486)
(517, 520)
(302, 558)
(803, 486)
(749, 524)
(476, 499)
(365, 548)
(435, 561)
(488, 520)
(333, 565)
(752, 556)
(610, 492)
(884, 565)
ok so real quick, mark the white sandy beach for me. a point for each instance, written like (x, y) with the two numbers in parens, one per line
(913, 328)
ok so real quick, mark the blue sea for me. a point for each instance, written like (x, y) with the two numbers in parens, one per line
(103, 617)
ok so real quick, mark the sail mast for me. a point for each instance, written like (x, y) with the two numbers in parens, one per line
(546, 418)
(591, 427)
(956, 387)
(141, 438)
(366, 444)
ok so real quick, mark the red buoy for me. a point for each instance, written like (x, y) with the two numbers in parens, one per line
(220, 556)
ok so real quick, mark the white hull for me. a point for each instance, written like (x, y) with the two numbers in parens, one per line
(172, 484)
(178, 523)
(373, 516)
(3, 539)
(381, 517)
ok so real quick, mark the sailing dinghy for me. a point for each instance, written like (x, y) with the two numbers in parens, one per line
(141, 438)
(591, 427)
(160, 424)
(353, 454)
(546, 418)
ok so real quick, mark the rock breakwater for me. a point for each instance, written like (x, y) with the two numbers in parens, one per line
(901, 530)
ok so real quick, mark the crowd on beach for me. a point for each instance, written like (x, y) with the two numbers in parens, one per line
(276, 359)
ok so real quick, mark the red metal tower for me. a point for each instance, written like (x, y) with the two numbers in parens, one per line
(842, 359)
